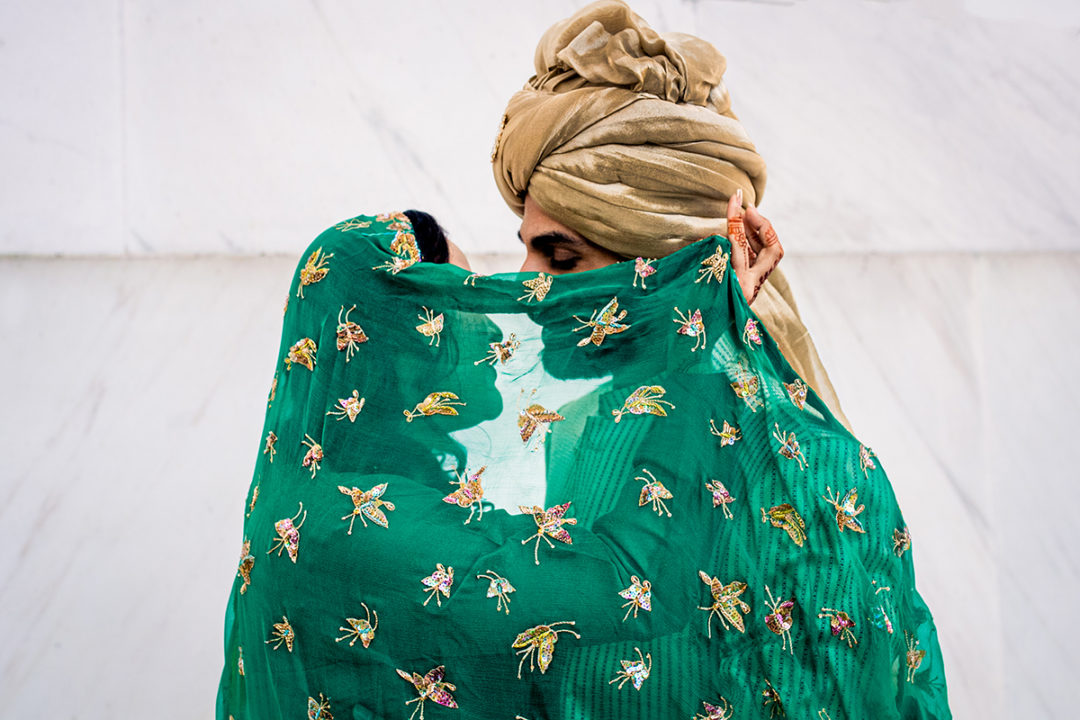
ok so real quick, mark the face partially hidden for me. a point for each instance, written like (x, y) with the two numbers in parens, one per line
(553, 248)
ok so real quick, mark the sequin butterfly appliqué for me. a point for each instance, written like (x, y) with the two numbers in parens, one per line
(431, 326)
(302, 352)
(549, 524)
(438, 584)
(499, 588)
(779, 619)
(638, 596)
(349, 334)
(537, 288)
(751, 334)
(436, 403)
(846, 512)
(319, 709)
(642, 269)
(534, 423)
(720, 497)
(288, 534)
(636, 671)
(282, 633)
(726, 603)
(653, 492)
(713, 266)
(539, 643)
(716, 712)
(789, 446)
(247, 562)
(432, 686)
(314, 270)
(746, 387)
(841, 625)
(367, 503)
(606, 321)
(646, 400)
(797, 393)
(362, 629)
(728, 434)
(914, 656)
(500, 352)
(691, 325)
(787, 518)
(348, 407)
(314, 455)
(469, 494)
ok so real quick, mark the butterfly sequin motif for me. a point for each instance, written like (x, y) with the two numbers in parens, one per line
(367, 503)
(901, 541)
(797, 393)
(500, 352)
(288, 535)
(746, 387)
(846, 512)
(716, 712)
(302, 352)
(539, 643)
(646, 400)
(438, 584)
(353, 224)
(638, 596)
(268, 448)
(786, 518)
(549, 524)
(727, 434)
(348, 407)
(866, 460)
(914, 656)
(431, 326)
(752, 333)
(770, 698)
(789, 446)
(431, 686)
(726, 604)
(282, 633)
(841, 625)
(469, 494)
(779, 619)
(247, 561)
(314, 270)
(642, 269)
(498, 587)
(606, 321)
(436, 403)
(534, 423)
(653, 492)
(691, 325)
(313, 456)
(720, 497)
(537, 288)
(349, 334)
(319, 709)
(635, 671)
(361, 629)
(404, 246)
(713, 266)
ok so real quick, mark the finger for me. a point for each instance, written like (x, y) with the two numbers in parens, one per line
(740, 248)
(770, 252)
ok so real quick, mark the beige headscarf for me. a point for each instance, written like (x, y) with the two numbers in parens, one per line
(627, 136)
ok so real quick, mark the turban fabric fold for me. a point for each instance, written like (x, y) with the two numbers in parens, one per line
(627, 136)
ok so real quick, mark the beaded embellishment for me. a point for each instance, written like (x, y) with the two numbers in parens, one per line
(500, 352)
(779, 619)
(604, 322)
(716, 712)
(273, 392)
(268, 448)
(720, 497)
(469, 494)
(751, 334)
(638, 596)
(787, 519)
(866, 460)
(726, 603)
(901, 541)
(348, 407)
(282, 633)
(770, 698)
(537, 288)
(438, 583)
(471, 279)
(534, 423)
(728, 434)
(789, 446)
(319, 709)
(881, 618)
(746, 387)
(914, 656)
(846, 512)
(288, 535)
(362, 630)
(714, 266)
(499, 588)
(549, 524)
(240, 660)
(646, 400)
(654, 492)
(247, 561)
(841, 625)
(431, 686)
(254, 497)
(313, 456)
(404, 246)
(691, 325)
(431, 326)
(354, 224)
(642, 269)
(302, 352)
(314, 270)
(367, 503)
(539, 643)
(349, 334)
(436, 403)
(636, 671)
(797, 393)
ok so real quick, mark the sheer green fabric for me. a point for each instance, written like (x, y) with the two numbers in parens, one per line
(696, 545)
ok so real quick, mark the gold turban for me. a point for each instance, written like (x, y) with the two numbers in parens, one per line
(627, 136)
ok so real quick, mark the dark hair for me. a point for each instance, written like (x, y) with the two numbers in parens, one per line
(430, 237)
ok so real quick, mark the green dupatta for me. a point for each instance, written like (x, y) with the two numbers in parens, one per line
(598, 495)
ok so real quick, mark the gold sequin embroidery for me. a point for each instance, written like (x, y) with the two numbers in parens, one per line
(728, 434)
(846, 512)
(431, 326)
(436, 403)
(469, 494)
(549, 524)
(499, 588)
(354, 224)
(303, 353)
(349, 334)
(716, 712)
(500, 352)
(273, 392)
(642, 269)
(431, 687)
(653, 492)
(348, 407)
(268, 448)
(726, 603)
(746, 387)
(534, 424)
(841, 625)
(787, 519)
(282, 633)
(720, 497)
(247, 561)
(691, 325)
(636, 671)
(638, 596)
(797, 393)
(315, 269)
(539, 643)
(789, 446)
(404, 246)
(319, 709)
(313, 456)
(254, 497)
(751, 334)
(914, 656)
(901, 541)
(240, 660)
(771, 699)
(537, 288)
(360, 629)
(438, 583)
(714, 266)
(606, 321)
(866, 460)
(288, 535)
(779, 619)
(367, 503)
(646, 400)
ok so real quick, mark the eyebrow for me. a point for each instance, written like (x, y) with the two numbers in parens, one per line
(556, 238)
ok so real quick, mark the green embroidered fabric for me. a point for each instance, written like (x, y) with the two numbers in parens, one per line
(671, 525)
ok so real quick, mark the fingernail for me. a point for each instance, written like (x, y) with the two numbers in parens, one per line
(738, 196)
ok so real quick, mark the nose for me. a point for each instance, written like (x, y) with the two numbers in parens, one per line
(533, 263)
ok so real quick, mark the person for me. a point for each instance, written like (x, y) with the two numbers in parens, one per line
(599, 487)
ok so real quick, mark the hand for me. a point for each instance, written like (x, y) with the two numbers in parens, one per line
(755, 257)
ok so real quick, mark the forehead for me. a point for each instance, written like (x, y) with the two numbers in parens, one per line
(536, 222)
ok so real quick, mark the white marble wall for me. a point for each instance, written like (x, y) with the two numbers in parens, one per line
(922, 156)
